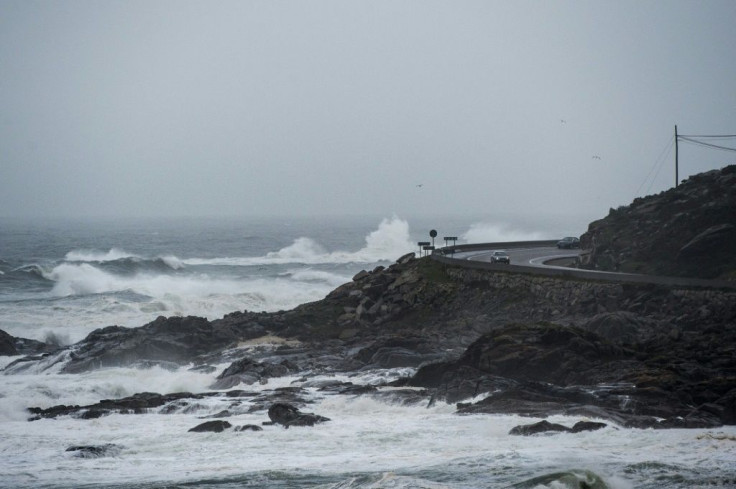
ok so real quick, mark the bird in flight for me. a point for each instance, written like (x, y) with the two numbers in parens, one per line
(420, 185)
(596, 157)
(563, 121)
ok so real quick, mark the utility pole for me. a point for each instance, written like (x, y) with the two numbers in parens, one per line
(677, 168)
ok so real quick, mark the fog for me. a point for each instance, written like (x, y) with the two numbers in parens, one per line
(237, 108)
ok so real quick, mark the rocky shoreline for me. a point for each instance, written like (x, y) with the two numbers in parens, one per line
(637, 356)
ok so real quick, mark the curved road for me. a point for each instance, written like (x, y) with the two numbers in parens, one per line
(549, 260)
(532, 256)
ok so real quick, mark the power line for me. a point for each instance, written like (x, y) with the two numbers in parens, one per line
(657, 165)
(708, 136)
(695, 141)
(659, 168)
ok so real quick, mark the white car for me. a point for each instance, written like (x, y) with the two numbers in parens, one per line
(500, 257)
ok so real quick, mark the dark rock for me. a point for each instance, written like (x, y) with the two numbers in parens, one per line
(587, 426)
(136, 404)
(360, 276)
(404, 259)
(540, 427)
(249, 371)
(293, 396)
(211, 426)
(347, 388)
(175, 339)
(709, 241)
(7, 345)
(538, 352)
(687, 231)
(204, 369)
(728, 402)
(622, 327)
(288, 415)
(95, 451)
(248, 427)
(221, 414)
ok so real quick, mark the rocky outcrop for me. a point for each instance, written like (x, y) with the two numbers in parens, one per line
(7, 345)
(287, 415)
(136, 404)
(546, 427)
(179, 340)
(95, 451)
(11, 346)
(249, 371)
(211, 427)
(688, 231)
(544, 369)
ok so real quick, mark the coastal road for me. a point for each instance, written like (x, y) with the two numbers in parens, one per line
(548, 260)
(532, 256)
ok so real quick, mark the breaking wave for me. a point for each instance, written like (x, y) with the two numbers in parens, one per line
(98, 256)
(387, 243)
(492, 233)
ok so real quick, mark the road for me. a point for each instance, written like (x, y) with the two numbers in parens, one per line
(533, 256)
(548, 260)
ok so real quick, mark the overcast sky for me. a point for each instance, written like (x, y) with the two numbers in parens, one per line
(189, 108)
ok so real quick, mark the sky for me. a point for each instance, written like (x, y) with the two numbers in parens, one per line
(291, 108)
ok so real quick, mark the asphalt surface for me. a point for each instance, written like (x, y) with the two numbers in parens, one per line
(548, 260)
(530, 256)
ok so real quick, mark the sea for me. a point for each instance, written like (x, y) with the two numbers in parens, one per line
(60, 279)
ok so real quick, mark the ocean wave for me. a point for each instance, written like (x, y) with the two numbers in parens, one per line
(319, 276)
(387, 243)
(98, 256)
(119, 258)
(186, 293)
(484, 232)
(36, 270)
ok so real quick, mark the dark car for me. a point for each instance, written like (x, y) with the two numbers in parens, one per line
(500, 257)
(568, 242)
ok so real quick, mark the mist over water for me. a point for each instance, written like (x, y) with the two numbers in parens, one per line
(67, 278)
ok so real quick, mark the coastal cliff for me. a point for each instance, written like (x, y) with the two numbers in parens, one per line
(542, 343)
(639, 355)
(688, 231)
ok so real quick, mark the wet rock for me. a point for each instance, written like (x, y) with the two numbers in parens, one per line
(248, 371)
(204, 369)
(534, 352)
(176, 339)
(7, 345)
(220, 414)
(288, 415)
(587, 426)
(95, 451)
(135, 404)
(347, 388)
(536, 428)
(211, 426)
(248, 427)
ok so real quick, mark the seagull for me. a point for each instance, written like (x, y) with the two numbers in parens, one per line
(563, 121)
(596, 157)
(420, 185)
